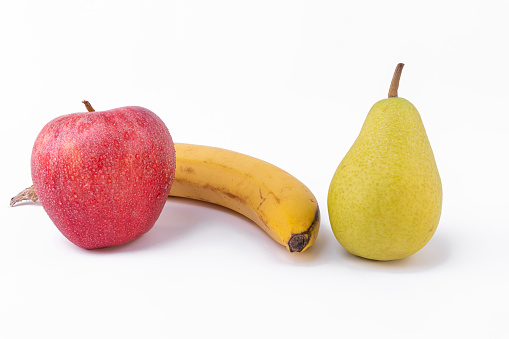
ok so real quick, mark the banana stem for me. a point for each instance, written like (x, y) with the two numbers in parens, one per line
(393, 90)
(26, 194)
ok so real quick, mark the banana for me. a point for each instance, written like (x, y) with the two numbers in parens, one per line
(272, 198)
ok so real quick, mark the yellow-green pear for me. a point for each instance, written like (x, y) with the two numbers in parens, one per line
(385, 198)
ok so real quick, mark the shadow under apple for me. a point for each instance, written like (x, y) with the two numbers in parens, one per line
(176, 219)
(179, 219)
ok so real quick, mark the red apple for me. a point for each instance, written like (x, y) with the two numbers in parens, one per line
(103, 177)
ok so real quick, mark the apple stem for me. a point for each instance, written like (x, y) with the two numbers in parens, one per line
(26, 194)
(393, 90)
(88, 106)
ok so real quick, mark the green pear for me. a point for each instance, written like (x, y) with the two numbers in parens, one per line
(385, 197)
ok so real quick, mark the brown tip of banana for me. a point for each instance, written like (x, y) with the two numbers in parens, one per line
(299, 241)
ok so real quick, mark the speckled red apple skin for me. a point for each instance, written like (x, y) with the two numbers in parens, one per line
(103, 177)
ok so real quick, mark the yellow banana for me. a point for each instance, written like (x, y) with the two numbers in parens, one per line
(273, 199)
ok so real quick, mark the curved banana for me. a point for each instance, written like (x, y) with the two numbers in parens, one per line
(273, 199)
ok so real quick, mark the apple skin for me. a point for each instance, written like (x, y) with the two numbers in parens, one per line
(103, 177)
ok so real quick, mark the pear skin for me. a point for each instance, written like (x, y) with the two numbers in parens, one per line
(385, 198)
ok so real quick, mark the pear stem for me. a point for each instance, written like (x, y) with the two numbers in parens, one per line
(393, 90)
(88, 106)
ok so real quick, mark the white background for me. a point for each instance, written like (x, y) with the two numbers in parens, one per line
(289, 82)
